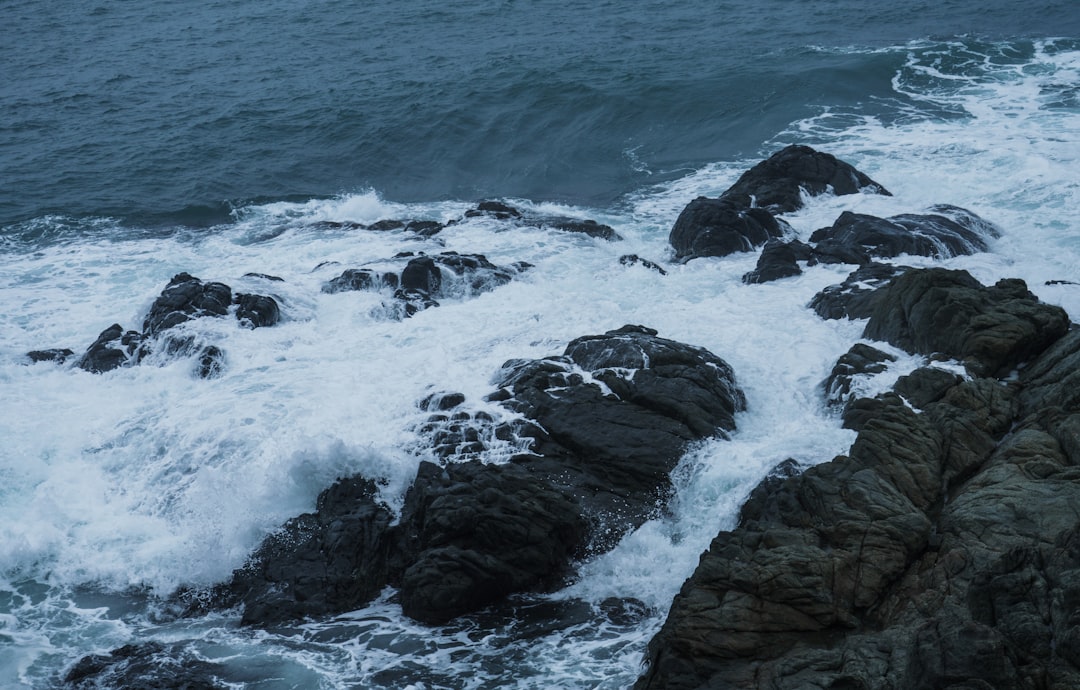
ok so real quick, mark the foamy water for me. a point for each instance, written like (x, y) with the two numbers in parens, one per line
(116, 489)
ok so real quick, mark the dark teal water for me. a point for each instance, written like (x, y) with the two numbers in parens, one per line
(163, 113)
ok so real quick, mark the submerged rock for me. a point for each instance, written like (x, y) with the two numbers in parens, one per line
(502, 211)
(146, 665)
(417, 280)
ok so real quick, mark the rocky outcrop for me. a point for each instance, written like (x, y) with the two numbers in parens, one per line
(779, 260)
(990, 329)
(942, 551)
(742, 218)
(416, 281)
(183, 299)
(604, 424)
(856, 238)
(779, 182)
(147, 665)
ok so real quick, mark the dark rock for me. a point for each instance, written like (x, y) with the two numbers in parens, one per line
(495, 209)
(990, 329)
(861, 360)
(925, 385)
(387, 224)
(256, 311)
(779, 182)
(857, 238)
(264, 276)
(624, 611)
(584, 227)
(424, 228)
(113, 348)
(762, 494)
(608, 420)
(329, 561)
(613, 416)
(634, 260)
(184, 298)
(778, 260)
(476, 533)
(361, 279)
(421, 275)
(943, 551)
(718, 227)
(58, 355)
(856, 296)
(146, 665)
(211, 362)
(424, 279)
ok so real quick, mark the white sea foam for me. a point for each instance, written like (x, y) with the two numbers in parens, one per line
(150, 478)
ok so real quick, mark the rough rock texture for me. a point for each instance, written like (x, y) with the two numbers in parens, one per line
(742, 217)
(473, 533)
(113, 348)
(332, 560)
(607, 422)
(990, 329)
(856, 296)
(718, 227)
(184, 298)
(861, 360)
(147, 665)
(856, 238)
(942, 552)
(779, 182)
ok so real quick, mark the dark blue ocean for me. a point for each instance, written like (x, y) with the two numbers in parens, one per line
(142, 139)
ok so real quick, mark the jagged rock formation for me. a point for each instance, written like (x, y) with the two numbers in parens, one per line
(942, 551)
(607, 421)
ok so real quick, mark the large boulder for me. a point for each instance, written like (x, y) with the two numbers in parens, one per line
(113, 348)
(472, 534)
(857, 238)
(329, 561)
(718, 227)
(779, 182)
(184, 298)
(616, 411)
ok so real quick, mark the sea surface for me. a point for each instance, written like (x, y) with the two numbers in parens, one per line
(142, 139)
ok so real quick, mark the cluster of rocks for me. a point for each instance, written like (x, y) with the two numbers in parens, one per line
(417, 281)
(606, 422)
(183, 299)
(745, 217)
(496, 210)
(943, 550)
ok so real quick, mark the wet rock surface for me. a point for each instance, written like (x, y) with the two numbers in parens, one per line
(942, 551)
(604, 424)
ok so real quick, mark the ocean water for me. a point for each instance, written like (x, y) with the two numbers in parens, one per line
(138, 140)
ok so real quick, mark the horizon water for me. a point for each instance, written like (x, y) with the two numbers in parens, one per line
(116, 489)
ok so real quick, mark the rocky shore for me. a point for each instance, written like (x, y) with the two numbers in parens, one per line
(942, 551)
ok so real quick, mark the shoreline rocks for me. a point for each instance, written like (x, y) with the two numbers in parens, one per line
(605, 424)
(942, 551)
